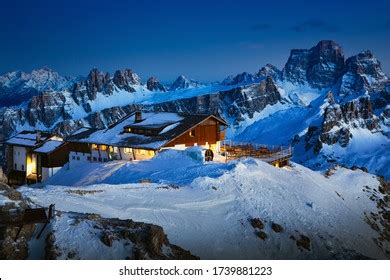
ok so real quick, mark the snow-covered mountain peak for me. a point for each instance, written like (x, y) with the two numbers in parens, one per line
(320, 66)
(242, 78)
(18, 86)
(183, 82)
(153, 84)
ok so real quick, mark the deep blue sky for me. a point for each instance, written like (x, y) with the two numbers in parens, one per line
(205, 40)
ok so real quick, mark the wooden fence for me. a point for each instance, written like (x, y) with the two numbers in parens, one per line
(270, 154)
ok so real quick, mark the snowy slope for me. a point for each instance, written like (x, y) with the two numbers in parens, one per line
(206, 207)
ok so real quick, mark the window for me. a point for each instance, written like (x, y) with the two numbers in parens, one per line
(105, 160)
(94, 147)
(23, 167)
(16, 166)
(78, 158)
(100, 159)
(127, 150)
(103, 147)
(73, 157)
(94, 159)
(89, 158)
(192, 133)
(129, 129)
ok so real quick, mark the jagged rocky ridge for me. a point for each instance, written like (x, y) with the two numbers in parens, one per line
(17, 87)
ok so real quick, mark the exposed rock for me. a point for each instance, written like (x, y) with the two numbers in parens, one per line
(363, 73)
(232, 104)
(269, 70)
(257, 223)
(47, 108)
(11, 249)
(339, 119)
(304, 242)
(154, 85)
(276, 227)
(182, 83)
(143, 241)
(125, 79)
(262, 235)
(320, 66)
(87, 90)
(17, 87)
(242, 78)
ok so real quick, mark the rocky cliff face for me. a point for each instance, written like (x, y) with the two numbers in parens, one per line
(154, 85)
(340, 119)
(183, 83)
(269, 70)
(109, 239)
(125, 79)
(320, 66)
(363, 73)
(243, 78)
(233, 104)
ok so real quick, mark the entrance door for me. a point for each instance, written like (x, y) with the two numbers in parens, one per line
(34, 164)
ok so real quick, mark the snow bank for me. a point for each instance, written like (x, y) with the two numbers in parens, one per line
(205, 207)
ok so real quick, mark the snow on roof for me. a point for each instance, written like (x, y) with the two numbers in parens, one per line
(172, 124)
(21, 142)
(80, 130)
(27, 138)
(158, 119)
(49, 146)
(28, 135)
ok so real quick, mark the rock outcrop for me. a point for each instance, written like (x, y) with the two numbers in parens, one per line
(319, 67)
(269, 70)
(340, 119)
(18, 87)
(12, 248)
(126, 79)
(183, 83)
(110, 238)
(242, 78)
(363, 73)
(154, 85)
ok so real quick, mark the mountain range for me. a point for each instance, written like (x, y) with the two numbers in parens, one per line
(331, 109)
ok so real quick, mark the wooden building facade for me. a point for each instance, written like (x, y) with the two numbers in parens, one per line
(142, 135)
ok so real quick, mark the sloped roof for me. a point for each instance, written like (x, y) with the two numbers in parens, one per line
(49, 146)
(171, 125)
(28, 138)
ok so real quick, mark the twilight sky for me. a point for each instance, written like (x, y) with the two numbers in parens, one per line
(205, 40)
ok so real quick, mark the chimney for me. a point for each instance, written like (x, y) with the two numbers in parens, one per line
(38, 137)
(138, 116)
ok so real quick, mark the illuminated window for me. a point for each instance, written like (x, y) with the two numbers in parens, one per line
(94, 147)
(192, 133)
(111, 149)
(129, 129)
(127, 150)
(103, 147)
